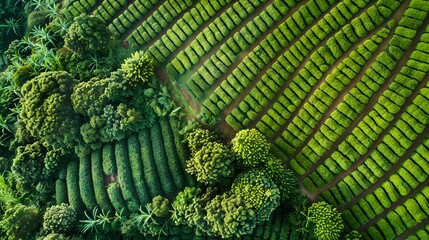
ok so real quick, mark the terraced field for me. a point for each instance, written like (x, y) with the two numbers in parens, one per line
(339, 87)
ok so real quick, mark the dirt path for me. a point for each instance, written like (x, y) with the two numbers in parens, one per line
(223, 124)
(367, 108)
(296, 72)
(392, 207)
(136, 24)
(231, 33)
(418, 141)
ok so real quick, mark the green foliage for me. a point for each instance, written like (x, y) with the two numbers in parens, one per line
(284, 178)
(328, 221)
(160, 206)
(12, 21)
(56, 236)
(228, 216)
(198, 138)
(88, 35)
(21, 222)
(137, 69)
(59, 218)
(259, 192)
(250, 146)
(353, 235)
(211, 163)
(8, 196)
(181, 204)
(47, 111)
(27, 165)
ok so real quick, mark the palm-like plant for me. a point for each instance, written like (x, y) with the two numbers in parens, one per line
(43, 35)
(62, 25)
(53, 10)
(92, 222)
(38, 4)
(11, 24)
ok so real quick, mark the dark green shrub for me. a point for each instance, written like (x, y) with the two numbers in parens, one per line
(137, 69)
(21, 222)
(88, 35)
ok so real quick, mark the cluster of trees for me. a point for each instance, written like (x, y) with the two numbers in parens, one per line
(70, 95)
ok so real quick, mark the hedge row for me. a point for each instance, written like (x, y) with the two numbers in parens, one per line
(136, 165)
(149, 167)
(398, 90)
(253, 63)
(85, 183)
(285, 65)
(76, 7)
(227, 54)
(174, 164)
(73, 191)
(161, 160)
(211, 36)
(398, 139)
(132, 14)
(109, 8)
(405, 216)
(158, 21)
(115, 196)
(98, 179)
(184, 28)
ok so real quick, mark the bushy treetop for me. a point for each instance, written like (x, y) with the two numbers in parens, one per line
(211, 163)
(198, 138)
(250, 146)
(160, 206)
(138, 68)
(328, 221)
(47, 111)
(21, 222)
(181, 202)
(284, 178)
(59, 218)
(87, 35)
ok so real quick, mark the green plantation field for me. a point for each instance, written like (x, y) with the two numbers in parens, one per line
(340, 89)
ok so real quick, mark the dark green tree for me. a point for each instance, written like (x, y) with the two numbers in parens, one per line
(88, 35)
(47, 111)
(21, 222)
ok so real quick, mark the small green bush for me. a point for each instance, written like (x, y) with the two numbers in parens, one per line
(59, 218)
(250, 146)
(137, 69)
(328, 221)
